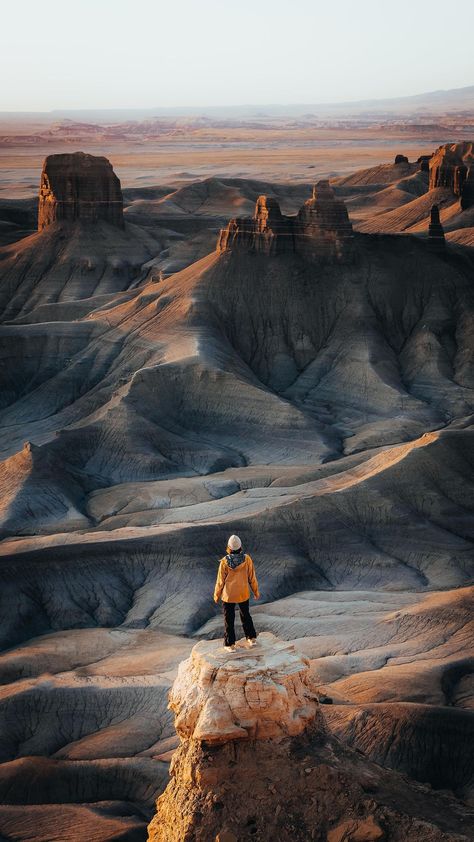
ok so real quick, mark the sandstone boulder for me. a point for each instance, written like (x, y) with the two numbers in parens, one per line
(252, 693)
(76, 186)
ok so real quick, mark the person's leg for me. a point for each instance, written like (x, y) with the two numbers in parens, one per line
(229, 622)
(249, 628)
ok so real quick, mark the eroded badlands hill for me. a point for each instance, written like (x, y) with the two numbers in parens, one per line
(82, 248)
(306, 385)
(444, 178)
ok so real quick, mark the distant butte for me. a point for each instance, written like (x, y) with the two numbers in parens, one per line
(78, 186)
(452, 166)
(323, 220)
(320, 227)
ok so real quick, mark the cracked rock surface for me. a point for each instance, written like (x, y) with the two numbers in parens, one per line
(253, 693)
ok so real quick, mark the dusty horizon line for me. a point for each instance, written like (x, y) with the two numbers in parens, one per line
(196, 109)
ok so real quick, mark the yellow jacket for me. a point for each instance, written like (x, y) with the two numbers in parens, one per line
(233, 585)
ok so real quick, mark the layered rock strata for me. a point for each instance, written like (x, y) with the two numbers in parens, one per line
(256, 761)
(268, 231)
(452, 166)
(257, 694)
(322, 226)
(323, 223)
(76, 186)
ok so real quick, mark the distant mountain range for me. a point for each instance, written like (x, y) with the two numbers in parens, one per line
(454, 100)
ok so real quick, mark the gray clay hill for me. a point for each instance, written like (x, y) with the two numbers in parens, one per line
(300, 372)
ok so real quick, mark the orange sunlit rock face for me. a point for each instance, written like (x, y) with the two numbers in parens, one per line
(266, 692)
(452, 166)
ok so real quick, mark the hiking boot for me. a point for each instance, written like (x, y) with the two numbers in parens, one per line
(230, 648)
(251, 641)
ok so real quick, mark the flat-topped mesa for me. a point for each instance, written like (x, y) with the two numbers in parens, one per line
(268, 231)
(321, 227)
(77, 186)
(452, 167)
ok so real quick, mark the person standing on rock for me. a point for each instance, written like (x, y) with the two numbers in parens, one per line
(235, 577)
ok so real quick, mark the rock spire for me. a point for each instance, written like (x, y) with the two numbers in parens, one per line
(268, 231)
(323, 220)
(436, 231)
(322, 227)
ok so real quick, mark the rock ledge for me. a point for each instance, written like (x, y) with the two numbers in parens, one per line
(257, 762)
(259, 693)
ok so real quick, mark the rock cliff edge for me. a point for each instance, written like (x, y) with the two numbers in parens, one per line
(256, 762)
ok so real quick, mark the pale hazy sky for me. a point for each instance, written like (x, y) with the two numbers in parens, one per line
(145, 53)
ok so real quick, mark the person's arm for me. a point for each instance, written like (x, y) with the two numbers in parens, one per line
(253, 578)
(220, 581)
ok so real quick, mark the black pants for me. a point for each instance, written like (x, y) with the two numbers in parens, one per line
(229, 620)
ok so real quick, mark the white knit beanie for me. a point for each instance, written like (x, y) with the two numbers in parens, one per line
(234, 542)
